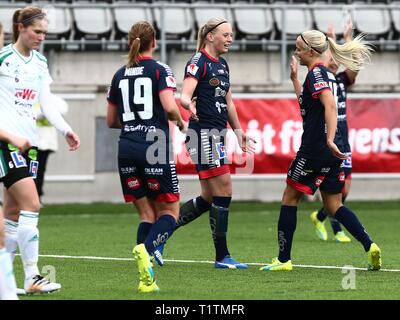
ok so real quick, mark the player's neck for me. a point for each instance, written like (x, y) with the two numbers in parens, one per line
(212, 52)
(147, 53)
(22, 50)
(314, 63)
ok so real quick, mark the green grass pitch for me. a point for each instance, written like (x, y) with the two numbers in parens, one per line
(108, 231)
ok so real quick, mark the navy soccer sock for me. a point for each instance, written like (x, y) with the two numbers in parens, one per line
(143, 231)
(335, 225)
(286, 227)
(159, 233)
(321, 215)
(191, 210)
(350, 221)
(219, 225)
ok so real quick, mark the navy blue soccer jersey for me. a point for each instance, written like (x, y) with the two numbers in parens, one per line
(211, 90)
(343, 82)
(313, 141)
(135, 92)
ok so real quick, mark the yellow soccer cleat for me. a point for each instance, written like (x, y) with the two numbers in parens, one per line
(148, 289)
(319, 227)
(276, 265)
(146, 274)
(341, 237)
(374, 258)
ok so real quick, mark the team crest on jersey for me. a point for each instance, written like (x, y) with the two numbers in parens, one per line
(192, 69)
(214, 82)
(170, 81)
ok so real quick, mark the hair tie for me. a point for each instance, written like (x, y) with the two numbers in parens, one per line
(320, 52)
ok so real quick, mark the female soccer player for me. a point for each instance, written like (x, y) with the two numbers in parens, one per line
(141, 93)
(24, 79)
(318, 161)
(345, 79)
(206, 93)
(8, 289)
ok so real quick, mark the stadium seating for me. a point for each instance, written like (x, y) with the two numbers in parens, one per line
(110, 20)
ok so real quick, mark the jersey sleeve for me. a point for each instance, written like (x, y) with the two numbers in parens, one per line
(166, 79)
(195, 67)
(112, 91)
(318, 81)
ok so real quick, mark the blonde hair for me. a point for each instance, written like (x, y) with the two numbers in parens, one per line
(140, 38)
(353, 54)
(210, 26)
(27, 16)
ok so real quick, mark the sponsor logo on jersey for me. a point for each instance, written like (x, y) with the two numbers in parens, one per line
(170, 80)
(214, 82)
(154, 171)
(139, 127)
(331, 76)
(321, 84)
(221, 150)
(26, 94)
(219, 92)
(33, 168)
(221, 71)
(192, 69)
(220, 106)
(18, 159)
(133, 183)
(153, 184)
(325, 170)
(342, 176)
(126, 170)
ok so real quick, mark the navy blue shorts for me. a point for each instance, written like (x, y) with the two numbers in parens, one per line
(207, 150)
(156, 181)
(15, 166)
(307, 175)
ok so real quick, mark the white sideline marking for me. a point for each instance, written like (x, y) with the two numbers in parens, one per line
(201, 261)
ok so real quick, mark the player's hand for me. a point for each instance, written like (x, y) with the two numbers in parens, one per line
(335, 151)
(247, 144)
(183, 126)
(193, 109)
(73, 140)
(293, 68)
(21, 143)
(348, 31)
(331, 32)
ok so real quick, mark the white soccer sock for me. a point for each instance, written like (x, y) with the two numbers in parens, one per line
(28, 241)
(8, 288)
(11, 237)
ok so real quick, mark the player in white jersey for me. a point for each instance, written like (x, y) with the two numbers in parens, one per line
(8, 289)
(24, 80)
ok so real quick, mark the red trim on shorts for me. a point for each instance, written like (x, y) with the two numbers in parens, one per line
(348, 177)
(129, 198)
(300, 187)
(205, 174)
(168, 197)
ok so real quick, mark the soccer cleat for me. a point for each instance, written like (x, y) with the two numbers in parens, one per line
(39, 284)
(157, 255)
(374, 258)
(146, 274)
(341, 237)
(229, 263)
(319, 227)
(147, 289)
(20, 292)
(276, 265)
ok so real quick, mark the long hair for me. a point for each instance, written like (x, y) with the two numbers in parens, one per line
(353, 54)
(27, 16)
(210, 26)
(140, 38)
